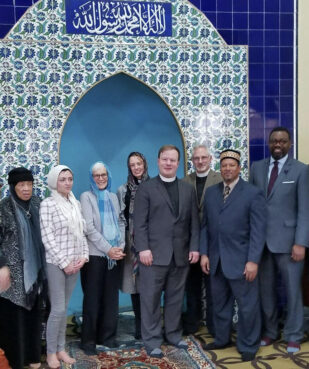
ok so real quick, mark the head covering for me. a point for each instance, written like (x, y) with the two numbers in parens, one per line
(69, 206)
(230, 154)
(108, 216)
(132, 186)
(19, 174)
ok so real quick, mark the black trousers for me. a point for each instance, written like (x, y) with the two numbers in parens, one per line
(100, 306)
(20, 333)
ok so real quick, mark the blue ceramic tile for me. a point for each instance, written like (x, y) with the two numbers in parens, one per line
(286, 71)
(20, 10)
(256, 88)
(286, 103)
(7, 15)
(256, 6)
(286, 87)
(256, 152)
(271, 104)
(256, 54)
(272, 71)
(272, 87)
(4, 29)
(271, 21)
(272, 54)
(286, 54)
(271, 38)
(271, 5)
(197, 3)
(256, 21)
(212, 16)
(227, 35)
(240, 37)
(240, 20)
(23, 2)
(286, 38)
(257, 104)
(224, 20)
(287, 6)
(256, 71)
(240, 5)
(286, 21)
(224, 5)
(287, 120)
(256, 38)
(7, 2)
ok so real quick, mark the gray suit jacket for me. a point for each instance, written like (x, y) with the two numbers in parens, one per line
(287, 204)
(156, 228)
(212, 179)
(97, 244)
(233, 232)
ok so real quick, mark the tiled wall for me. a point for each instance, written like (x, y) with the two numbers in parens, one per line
(268, 27)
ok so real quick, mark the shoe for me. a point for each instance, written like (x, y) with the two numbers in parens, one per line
(181, 345)
(266, 341)
(293, 347)
(89, 349)
(247, 356)
(157, 353)
(215, 346)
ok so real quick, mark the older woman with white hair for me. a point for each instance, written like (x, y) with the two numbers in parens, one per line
(101, 277)
(62, 228)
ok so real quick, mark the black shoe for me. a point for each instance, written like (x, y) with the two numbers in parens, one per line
(157, 353)
(214, 346)
(181, 344)
(89, 349)
(247, 356)
(111, 344)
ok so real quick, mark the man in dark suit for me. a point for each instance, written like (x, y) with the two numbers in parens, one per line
(285, 184)
(166, 236)
(201, 179)
(232, 242)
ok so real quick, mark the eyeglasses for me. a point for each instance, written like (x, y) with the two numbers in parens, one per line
(203, 158)
(97, 176)
(280, 142)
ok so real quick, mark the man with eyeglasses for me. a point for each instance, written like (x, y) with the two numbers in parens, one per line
(202, 178)
(285, 182)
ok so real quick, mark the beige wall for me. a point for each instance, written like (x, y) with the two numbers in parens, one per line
(303, 80)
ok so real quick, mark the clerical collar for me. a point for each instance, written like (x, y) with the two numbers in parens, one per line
(205, 174)
(164, 179)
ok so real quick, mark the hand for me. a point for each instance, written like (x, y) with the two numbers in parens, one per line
(5, 279)
(205, 264)
(79, 264)
(298, 253)
(69, 269)
(116, 253)
(194, 256)
(250, 271)
(145, 257)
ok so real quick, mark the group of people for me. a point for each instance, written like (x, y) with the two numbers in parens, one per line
(157, 235)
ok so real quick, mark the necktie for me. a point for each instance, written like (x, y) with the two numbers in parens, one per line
(273, 177)
(226, 192)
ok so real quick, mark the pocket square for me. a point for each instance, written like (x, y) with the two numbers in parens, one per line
(288, 182)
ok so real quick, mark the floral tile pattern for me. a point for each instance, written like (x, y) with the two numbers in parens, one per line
(44, 72)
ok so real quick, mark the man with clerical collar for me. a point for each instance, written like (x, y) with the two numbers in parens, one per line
(202, 178)
(284, 182)
(166, 236)
(231, 245)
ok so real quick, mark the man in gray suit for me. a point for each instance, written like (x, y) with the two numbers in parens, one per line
(285, 184)
(231, 245)
(166, 236)
(201, 179)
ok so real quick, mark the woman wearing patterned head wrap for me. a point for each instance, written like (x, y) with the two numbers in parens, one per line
(22, 272)
(101, 276)
(137, 173)
(62, 228)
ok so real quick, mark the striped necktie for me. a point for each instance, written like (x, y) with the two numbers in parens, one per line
(226, 192)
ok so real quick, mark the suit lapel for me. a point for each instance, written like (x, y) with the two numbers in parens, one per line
(181, 196)
(282, 175)
(265, 175)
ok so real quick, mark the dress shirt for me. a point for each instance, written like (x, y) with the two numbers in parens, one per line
(281, 163)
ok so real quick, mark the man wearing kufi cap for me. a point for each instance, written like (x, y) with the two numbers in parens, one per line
(231, 246)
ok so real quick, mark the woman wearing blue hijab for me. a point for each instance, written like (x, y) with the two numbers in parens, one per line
(100, 277)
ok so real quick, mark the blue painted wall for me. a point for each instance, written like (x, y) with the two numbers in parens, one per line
(118, 104)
